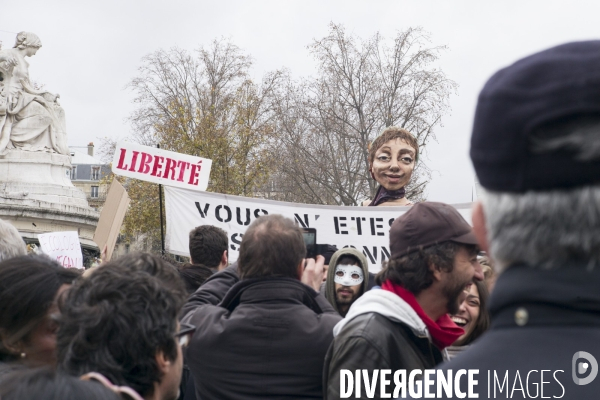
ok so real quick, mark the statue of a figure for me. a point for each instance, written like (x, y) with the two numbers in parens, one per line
(30, 119)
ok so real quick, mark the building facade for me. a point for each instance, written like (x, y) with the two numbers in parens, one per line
(89, 174)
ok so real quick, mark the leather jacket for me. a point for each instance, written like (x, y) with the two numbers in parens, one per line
(372, 340)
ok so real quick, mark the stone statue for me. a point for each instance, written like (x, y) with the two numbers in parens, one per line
(36, 192)
(30, 119)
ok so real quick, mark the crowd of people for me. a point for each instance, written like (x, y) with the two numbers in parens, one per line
(517, 291)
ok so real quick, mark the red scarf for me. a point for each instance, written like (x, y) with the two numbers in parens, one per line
(443, 332)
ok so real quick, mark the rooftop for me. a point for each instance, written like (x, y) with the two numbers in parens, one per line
(79, 155)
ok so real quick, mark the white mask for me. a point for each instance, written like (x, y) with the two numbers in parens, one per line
(348, 275)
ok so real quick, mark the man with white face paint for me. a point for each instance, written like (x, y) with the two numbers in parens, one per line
(347, 279)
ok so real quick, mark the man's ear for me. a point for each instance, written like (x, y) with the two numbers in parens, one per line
(478, 218)
(224, 258)
(163, 362)
(437, 274)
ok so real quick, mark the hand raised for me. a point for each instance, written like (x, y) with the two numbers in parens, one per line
(313, 272)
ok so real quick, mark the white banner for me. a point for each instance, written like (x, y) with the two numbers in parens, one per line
(64, 247)
(161, 166)
(364, 228)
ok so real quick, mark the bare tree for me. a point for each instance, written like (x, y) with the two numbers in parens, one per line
(302, 141)
(204, 104)
(327, 122)
(208, 106)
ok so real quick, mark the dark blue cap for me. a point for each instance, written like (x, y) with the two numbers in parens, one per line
(537, 91)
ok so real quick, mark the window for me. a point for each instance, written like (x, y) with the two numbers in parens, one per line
(94, 192)
(73, 173)
(95, 173)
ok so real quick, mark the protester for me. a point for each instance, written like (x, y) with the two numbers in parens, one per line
(392, 159)
(46, 384)
(347, 280)
(121, 324)
(165, 268)
(11, 243)
(535, 148)
(473, 316)
(216, 287)
(208, 246)
(404, 325)
(30, 287)
(269, 335)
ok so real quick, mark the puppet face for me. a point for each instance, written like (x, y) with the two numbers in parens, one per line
(393, 165)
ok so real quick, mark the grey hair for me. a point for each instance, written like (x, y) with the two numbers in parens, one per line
(546, 230)
(11, 243)
(554, 228)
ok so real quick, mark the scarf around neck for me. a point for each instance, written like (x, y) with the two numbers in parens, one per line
(443, 332)
(382, 195)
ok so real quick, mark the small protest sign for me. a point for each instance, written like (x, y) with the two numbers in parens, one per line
(64, 247)
(161, 166)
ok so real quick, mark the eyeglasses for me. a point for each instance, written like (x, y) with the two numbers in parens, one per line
(185, 334)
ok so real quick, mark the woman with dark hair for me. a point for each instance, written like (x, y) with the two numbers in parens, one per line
(46, 384)
(30, 287)
(393, 156)
(472, 316)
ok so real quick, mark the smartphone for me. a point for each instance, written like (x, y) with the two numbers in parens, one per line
(310, 241)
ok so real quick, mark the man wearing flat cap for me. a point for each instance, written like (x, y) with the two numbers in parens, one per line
(536, 151)
(404, 325)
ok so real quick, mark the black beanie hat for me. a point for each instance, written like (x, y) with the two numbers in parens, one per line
(540, 90)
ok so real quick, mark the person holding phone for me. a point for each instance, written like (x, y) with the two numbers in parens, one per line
(269, 335)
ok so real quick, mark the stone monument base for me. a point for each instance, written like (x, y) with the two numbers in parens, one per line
(38, 176)
(45, 218)
(37, 196)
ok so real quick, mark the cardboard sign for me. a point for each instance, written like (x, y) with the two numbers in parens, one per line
(64, 247)
(364, 228)
(161, 166)
(111, 218)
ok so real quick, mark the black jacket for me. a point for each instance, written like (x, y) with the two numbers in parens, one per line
(540, 319)
(382, 332)
(213, 290)
(266, 339)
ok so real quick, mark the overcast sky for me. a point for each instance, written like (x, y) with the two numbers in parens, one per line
(92, 49)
